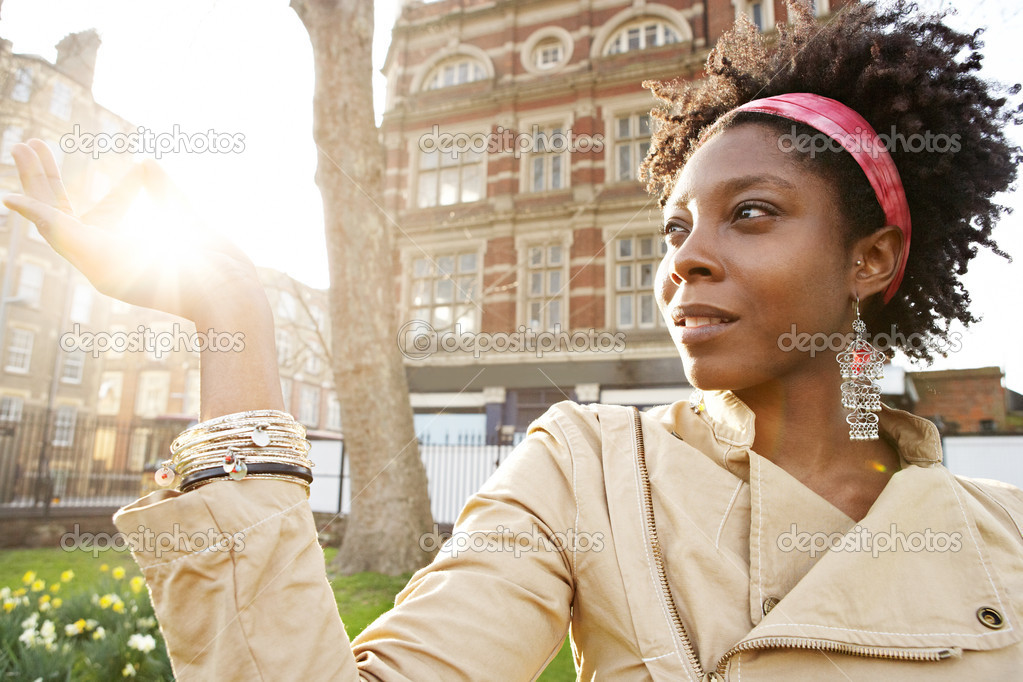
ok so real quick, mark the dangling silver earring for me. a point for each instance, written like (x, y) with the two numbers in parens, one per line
(861, 364)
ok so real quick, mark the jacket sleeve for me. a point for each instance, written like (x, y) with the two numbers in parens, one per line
(239, 585)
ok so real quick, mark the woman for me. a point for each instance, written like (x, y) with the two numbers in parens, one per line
(742, 534)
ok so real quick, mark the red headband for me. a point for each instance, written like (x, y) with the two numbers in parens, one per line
(858, 138)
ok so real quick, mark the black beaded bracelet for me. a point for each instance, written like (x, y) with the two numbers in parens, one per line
(302, 473)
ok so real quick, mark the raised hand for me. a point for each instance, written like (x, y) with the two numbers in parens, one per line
(188, 275)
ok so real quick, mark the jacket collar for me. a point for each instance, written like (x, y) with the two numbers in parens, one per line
(925, 591)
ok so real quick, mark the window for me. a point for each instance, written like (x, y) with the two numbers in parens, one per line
(635, 266)
(320, 322)
(313, 364)
(632, 142)
(110, 393)
(153, 392)
(60, 102)
(449, 177)
(454, 72)
(548, 54)
(640, 36)
(445, 291)
(12, 136)
(545, 287)
(333, 412)
(81, 303)
(64, 425)
(11, 408)
(19, 351)
(283, 347)
(287, 306)
(30, 284)
(756, 9)
(547, 162)
(74, 365)
(22, 90)
(309, 406)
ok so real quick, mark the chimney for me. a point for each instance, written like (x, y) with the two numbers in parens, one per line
(76, 56)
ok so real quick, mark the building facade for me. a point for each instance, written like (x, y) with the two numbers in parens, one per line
(514, 131)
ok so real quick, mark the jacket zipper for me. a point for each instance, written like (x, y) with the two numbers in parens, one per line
(935, 654)
(655, 546)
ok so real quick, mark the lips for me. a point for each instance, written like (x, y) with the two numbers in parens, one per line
(695, 315)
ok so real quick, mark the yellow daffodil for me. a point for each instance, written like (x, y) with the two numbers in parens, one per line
(105, 601)
(29, 577)
(57, 602)
(38, 585)
(118, 607)
(43, 599)
(9, 605)
(137, 583)
(118, 573)
(104, 568)
(55, 587)
(66, 576)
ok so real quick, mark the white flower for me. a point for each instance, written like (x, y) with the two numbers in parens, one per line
(100, 633)
(48, 630)
(147, 623)
(28, 638)
(143, 643)
(71, 630)
(5, 592)
(30, 622)
(128, 671)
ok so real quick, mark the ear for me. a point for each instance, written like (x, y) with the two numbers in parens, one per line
(879, 255)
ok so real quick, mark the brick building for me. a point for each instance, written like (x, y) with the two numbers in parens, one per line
(963, 401)
(532, 220)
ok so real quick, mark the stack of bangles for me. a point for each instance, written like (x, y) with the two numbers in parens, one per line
(254, 444)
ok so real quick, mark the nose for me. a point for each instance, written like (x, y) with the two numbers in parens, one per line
(696, 257)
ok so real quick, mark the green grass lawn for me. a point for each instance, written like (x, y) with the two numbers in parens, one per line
(360, 598)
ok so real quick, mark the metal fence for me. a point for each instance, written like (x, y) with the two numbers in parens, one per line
(48, 460)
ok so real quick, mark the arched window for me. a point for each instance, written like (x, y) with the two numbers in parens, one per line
(640, 35)
(454, 71)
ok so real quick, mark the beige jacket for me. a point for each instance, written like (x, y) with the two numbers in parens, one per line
(561, 536)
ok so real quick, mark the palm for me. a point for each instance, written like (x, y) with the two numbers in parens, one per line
(125, 265)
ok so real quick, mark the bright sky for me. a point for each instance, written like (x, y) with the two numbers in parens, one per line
(238, 66)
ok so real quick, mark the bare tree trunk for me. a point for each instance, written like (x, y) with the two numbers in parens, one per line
(390, 502)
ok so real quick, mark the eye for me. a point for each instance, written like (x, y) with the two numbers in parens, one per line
(674, 227)
(753, 209)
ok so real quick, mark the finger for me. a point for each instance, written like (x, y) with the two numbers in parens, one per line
(30, 171)
(82, 245)
(52, 173)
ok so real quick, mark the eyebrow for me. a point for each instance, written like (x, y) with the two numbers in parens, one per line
(735, 185)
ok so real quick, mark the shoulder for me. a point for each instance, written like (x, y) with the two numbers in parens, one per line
(1001, 500)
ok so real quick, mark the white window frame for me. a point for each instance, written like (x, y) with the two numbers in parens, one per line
(635, 142)
(284, 347)
(435, 163)
(81, 303)
(543, 37)
(430, 267)
(665, 33)
(19, 347)
(745, 7)
(555, 165)
(110, 383)
(64, 426)
(73, 367)
(31, 279)
(22, 90)
(524, 247)
(11, 408)
(62, 100)
(635, 290)
(309, 412)
(461, 68)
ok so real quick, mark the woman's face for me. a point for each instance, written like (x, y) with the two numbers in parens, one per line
(755, 246)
